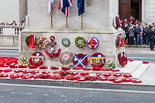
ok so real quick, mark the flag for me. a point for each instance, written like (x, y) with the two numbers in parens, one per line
(64, 6)
(81, 8)
(50, 4)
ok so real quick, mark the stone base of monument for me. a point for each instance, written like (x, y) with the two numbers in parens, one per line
(107, 43)
(133, 72)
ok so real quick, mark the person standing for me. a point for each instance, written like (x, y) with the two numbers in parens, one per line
(146, 35)
(138, 35)
(151, 38)
(131, 35)
(126, 29)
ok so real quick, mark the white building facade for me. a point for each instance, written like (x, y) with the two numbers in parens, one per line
(12, 10)
(143, 10)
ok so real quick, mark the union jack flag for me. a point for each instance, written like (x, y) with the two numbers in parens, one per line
(64, 6)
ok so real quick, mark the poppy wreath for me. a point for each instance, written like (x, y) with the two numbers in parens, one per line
(24, 61)
(80, 60)
(53, 44)
(42, 42)
(80, 42)
(122, 59)
(31, 41)
(110, 65)
(37, 59)
(92, 43)
(66, 58)
(120, 41)
(97, 60)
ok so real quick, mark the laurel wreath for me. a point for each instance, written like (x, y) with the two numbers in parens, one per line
(80, 42)
(110, 65)
(24, 61)
(66, 42)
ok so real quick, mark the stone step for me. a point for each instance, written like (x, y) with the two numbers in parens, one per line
(130, 67)
(140, 71)
(136, 69)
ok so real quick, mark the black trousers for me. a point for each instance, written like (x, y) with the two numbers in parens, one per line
(152, 44)
(131, 40)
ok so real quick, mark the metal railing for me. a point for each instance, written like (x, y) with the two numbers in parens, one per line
(9, 30)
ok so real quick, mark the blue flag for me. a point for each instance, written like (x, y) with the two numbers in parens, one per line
(64, 6)
(81, 8)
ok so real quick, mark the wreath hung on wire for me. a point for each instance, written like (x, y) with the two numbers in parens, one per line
(42, 42)
(27, 40)
(80, 42)
(110, 65)
(24, 61)
(66, 42)
(37, 59)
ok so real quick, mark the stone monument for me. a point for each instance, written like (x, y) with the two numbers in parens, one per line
(98, 21)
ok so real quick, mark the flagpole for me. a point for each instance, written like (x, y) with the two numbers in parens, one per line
(82, 21)
(51, 17)
(66, 21)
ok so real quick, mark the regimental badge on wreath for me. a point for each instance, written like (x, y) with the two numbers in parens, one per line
(37, 59)
(80, 60)
(66, 58)
(92, 43)
(97, 60)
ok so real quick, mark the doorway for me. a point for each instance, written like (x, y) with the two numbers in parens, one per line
(136, 9)
(129, 8)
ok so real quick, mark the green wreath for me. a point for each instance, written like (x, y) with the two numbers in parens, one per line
(28, 39)
(80, 42)
(110, 65)
(66, 42)
(24, 61)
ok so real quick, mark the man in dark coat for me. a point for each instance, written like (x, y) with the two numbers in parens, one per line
(151, 38)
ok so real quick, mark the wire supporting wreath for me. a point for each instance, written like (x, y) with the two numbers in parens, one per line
(80, 42)
(42, 42)
(110, 65)
(24, 61)
(66, 42)
(31, 41)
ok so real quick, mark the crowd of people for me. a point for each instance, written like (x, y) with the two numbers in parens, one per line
(22, 23)
(139, 33)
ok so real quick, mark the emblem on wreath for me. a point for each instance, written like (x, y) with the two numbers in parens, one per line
(97, 60)
(37, 59)
(80, 60)
(93, 43)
